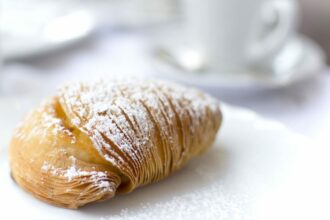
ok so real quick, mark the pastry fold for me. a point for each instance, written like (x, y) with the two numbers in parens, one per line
(92, 140)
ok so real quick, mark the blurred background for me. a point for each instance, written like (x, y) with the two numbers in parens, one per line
(45, 43)
(315, 18)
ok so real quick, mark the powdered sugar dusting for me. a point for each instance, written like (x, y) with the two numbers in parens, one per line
(199, 205)
(98, 178)
(46, 167)
(51, 124)
(122, 118)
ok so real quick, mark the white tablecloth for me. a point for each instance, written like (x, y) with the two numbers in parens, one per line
(304, 107)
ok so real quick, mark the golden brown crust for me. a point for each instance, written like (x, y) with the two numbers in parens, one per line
(92, 140)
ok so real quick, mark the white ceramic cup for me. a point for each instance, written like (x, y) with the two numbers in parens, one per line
(235, 34)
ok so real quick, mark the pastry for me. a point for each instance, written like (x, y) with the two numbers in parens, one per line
(92, 140)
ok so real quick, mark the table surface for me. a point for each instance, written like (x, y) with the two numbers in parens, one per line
(303, 107)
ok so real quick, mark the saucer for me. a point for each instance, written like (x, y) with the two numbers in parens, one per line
(300, 59)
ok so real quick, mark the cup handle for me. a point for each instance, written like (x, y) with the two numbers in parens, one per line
(278, 23)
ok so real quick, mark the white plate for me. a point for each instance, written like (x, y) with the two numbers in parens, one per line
(58, 24)
(257, 169)
(49, 30)
(300, 59)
